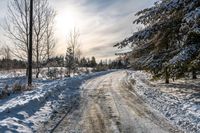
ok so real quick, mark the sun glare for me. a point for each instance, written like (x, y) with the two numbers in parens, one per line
(66, 20)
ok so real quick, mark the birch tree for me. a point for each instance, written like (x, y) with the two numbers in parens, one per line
(17, 29)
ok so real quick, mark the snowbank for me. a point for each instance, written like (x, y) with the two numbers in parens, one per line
(182, 108)
(25, 112)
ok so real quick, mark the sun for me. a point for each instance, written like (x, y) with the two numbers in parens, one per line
(66, 20)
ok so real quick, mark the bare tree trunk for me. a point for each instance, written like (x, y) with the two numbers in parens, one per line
(37, 59)
(26, 70)
(38, 72)
(48, 55)
(166, 75)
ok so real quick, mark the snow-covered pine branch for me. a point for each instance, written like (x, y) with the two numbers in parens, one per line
(170, 36)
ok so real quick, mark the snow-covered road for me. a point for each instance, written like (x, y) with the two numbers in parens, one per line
(108, 104)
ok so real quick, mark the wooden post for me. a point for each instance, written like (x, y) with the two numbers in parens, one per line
(30, 45)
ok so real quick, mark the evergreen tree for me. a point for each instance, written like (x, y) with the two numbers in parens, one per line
(101, 63)
(88, 62)
(69, 60)
(93, 62)
(169, 44)
(83, 62)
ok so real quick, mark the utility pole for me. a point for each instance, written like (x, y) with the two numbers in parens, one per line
(30, 45)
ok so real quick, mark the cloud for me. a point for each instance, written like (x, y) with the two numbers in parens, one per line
(108, 23)
(101, 23)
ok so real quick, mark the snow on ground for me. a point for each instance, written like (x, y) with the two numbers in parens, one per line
(10, 78)
(108, 106)
(179, 101)
(27, 111)
(12, 73)
(24, 112)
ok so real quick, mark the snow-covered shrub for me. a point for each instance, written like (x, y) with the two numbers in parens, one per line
(53, 73)
(17, 87)
(4, 92)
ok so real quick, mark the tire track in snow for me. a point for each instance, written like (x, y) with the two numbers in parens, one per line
(107, 106)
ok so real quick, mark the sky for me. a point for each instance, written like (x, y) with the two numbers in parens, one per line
(101, 23)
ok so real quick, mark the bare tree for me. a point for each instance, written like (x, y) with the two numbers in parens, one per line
(44, 35)
(17, 28)
(40, 11)
(74, 44)
(50, 39)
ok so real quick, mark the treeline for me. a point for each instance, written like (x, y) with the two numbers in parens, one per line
(169, 44)
(59, 61)
(7, 64)
(109, 64)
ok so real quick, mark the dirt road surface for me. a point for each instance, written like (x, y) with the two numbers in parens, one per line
(109, 104)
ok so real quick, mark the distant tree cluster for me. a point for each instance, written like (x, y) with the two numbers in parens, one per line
(87, 62)
(7, 64)
(57, 61)
(169, 45)
(118, 63)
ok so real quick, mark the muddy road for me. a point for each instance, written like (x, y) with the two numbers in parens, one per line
(109, 104)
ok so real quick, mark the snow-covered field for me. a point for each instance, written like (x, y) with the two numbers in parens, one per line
(9, 79)
(24, 112)
(178, 101)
